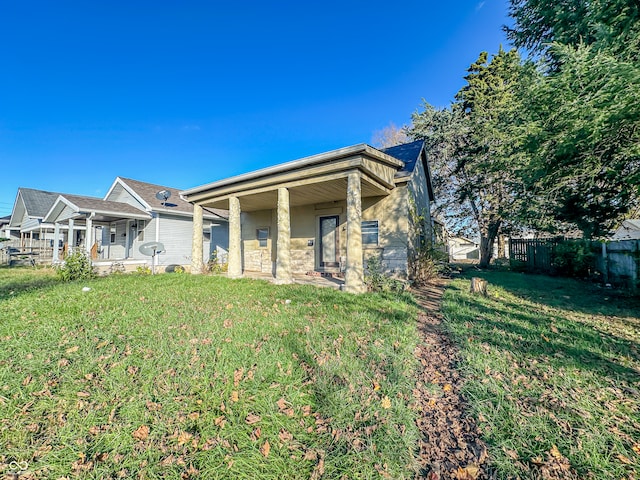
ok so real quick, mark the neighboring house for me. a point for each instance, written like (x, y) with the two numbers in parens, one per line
(629, 230)
(4, 226)
(461, 248)
(26, 227)
(112, 229)
(325, 213)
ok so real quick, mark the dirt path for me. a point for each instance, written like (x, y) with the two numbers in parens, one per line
(450, 447)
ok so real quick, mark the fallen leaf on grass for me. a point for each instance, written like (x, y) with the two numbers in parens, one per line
(447, 388)
(386, 402)
(220, 421)
(265, 449)
(27, 380)
(554, 452)
(470, 472)
(83, 394)
(72, 349)
(234, 396)
(624, 459)
(252, 418)
(256, 434)
(184, 438)
(636, 448)
(141, 433)
(285, 436)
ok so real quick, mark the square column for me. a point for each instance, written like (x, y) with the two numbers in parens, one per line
(56, 241)
(283, 251)
(235, 239)
(196, 242)
(88, 237)
(354, 273)
(70, 238)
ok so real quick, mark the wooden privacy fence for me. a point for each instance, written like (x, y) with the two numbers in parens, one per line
(534, 255)
(615, 262)
(619, 262)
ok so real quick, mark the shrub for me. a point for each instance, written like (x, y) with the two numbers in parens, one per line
(143, 270)
(430, 262)
(377, 280)
(215, 265)
(76, 266)
(573, 258)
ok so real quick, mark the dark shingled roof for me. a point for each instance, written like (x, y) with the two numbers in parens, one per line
(408, 153)
(37, 202)
(147, 191)
(100, 205)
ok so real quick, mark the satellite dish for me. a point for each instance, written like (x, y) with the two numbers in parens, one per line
(152, 249)
(163, 196)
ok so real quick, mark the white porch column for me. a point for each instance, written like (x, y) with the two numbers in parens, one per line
(283, 250)
(235, 239)
(56, 242)
(196, 242)
(88, 236)
(354, 274)
(70, 238)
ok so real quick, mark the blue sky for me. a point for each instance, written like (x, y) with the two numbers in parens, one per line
(185, 93)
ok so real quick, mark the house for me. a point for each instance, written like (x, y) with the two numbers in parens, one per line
(4, 226)
(112, 229)
(324, 214)
(26, 228)
(629, 230)
(461, 248)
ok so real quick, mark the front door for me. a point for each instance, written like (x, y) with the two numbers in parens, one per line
(329, 241)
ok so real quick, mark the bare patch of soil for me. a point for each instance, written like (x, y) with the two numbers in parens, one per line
(450, 446)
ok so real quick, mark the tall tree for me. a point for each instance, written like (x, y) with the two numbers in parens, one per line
(584, 134)
(585, 139)
(390, 136)
(612, 25)
(477, 144)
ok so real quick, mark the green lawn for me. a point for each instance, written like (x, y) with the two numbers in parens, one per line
(179, 376)
(553, 374)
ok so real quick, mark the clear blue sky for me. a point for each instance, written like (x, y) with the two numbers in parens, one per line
(185, 93)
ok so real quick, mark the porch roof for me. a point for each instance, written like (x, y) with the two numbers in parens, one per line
(317, 179)
(76, 206)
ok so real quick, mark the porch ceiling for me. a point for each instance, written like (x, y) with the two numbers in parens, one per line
(319, 191)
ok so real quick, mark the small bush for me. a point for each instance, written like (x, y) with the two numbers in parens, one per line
(573, 258)
(430, 262)
(215, 265)
(76, 266)
(377, 280)
(143, 270)
(117, 268)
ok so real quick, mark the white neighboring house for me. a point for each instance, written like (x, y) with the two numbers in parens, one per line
(461, 248)
(170, 222)
(112, 229)
(629, 230)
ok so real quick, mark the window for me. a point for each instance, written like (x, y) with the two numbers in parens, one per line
(141, 225)
(112, 234)
(369, 232)
(263, 235)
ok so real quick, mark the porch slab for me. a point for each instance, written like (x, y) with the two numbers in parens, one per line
(300, 279)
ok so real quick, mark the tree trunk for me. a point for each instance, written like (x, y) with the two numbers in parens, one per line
(487, 238)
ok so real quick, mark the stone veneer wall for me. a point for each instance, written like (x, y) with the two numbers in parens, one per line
(258, 261)
(302, 261)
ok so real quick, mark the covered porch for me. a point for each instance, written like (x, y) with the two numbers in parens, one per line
(90, 225)
(315, 206)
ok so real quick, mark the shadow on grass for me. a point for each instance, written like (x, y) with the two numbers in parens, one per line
(532, 331)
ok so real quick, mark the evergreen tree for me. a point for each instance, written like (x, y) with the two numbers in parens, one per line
(475, 146)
